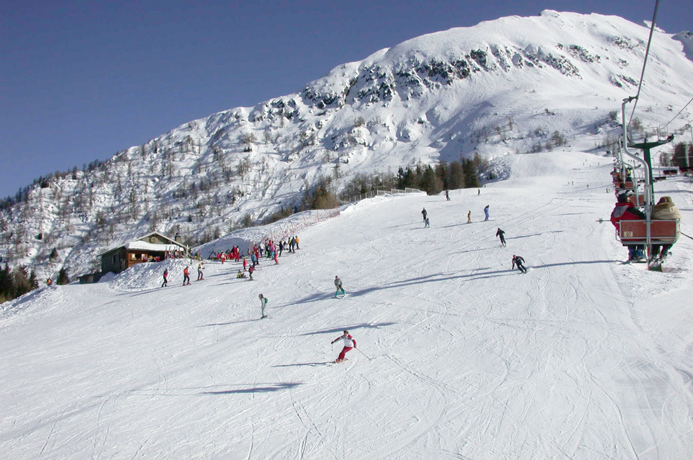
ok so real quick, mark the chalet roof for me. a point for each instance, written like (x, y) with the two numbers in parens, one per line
(142, 244)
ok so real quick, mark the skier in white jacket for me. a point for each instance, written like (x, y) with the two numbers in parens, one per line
(349, 343)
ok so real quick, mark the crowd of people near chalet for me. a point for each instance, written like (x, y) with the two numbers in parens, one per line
(265, 250)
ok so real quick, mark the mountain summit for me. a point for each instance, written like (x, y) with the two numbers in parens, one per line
(500, 88)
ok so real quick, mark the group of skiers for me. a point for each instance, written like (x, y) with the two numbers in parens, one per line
(517, 261)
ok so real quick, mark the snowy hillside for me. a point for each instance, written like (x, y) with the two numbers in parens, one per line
(496, 89)
(458, 355)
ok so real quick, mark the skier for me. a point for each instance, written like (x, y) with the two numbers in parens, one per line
(447, 195)
(338, 285)
(469, 217)
(499, 234)
(349, 343)
(625, 210)
(200, 275)
(245, 264)
(186, 276)
(251, 269)
(664, 209)
(519, 261)
(424, 214)
(165, 283)
(263, 304)
(427, 223)
(297, 241)
(486, 212)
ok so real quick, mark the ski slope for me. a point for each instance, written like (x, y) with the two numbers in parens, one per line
(459, 356)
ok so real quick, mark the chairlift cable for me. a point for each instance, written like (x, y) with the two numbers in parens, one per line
(676, 116)
(644, 64)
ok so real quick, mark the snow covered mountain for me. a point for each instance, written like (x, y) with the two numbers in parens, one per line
(500, 88)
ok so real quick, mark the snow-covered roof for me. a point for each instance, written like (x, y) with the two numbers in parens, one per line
(144, 246)
(141, 245)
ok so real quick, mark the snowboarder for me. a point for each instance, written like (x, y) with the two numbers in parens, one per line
(186, 276)
(500, 234)
(338, 285)
(200, 275)
(486, 212)
(349, 343)
(424, 214)
(165, 283)
(519, 261)
(469, 217)
(263, 304)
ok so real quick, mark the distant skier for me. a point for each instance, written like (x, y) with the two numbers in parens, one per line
(427, 223)
(519, 261)
(338, 285)
(469, 217)
(186, 276)
(349, 343)
(486, 212)
(251, 269)
(165, 283)
(447, 195)
(263, 304)
(297, 241)
(424, 214)
(500, 234)
(200, 274)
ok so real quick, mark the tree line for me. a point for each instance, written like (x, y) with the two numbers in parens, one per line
(18, 281)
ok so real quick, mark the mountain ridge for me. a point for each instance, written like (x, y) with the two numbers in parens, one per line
(498, 88)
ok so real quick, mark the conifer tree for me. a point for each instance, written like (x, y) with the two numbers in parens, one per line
(62, 277)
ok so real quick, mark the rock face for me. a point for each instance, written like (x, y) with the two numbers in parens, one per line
(500, 87)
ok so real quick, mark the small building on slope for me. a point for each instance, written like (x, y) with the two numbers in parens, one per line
(152, 247)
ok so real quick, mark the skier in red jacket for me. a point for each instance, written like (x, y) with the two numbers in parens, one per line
(349, 343)
(625, 210)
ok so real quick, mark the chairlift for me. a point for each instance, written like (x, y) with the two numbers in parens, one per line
(647, 232)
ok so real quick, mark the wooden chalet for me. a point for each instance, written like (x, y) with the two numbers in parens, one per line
(153, 247)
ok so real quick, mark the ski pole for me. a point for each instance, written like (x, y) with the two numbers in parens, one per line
(359, 350)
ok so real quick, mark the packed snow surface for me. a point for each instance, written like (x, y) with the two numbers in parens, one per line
(458, 355)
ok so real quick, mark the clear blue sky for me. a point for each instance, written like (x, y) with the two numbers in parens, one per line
(82, 80)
